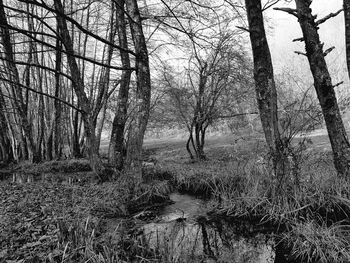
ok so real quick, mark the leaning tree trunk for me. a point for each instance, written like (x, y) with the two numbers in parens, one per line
(87, 113)
(324, 88)
(116, 148)
(265, 86)
(143, 90)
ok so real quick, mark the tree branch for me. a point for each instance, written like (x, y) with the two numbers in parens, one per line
(269, 4)
(77, 24)
(301, 39)
(300, 53)
(237, 115)
(38, 66)
(41, 93)
(290, 11)
(243, 28)
(322, 20)
(338, 84)
(24, 32)
(329, 50)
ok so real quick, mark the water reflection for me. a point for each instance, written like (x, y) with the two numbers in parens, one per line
(184, 206)
(184, 236)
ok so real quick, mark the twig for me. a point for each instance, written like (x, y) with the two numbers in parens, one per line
(300, 53)
(301, 39)
(243, 28)
(269, 4)
(291, 11)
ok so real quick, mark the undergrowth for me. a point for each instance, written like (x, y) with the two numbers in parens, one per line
(311, 212)
(51, 222)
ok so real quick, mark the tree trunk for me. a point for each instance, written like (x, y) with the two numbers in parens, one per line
(199, 137)
(88, 116)
(5, 141)
(20, 106)
(265, 88)
(6, 154)
(188, 146)
(346, 5)
(324, 88)
(143, 90)
(199, 112)
(57, 129)
(116, 152)
(76, 149)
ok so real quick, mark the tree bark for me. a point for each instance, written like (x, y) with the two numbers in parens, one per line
(265, 85)
(199, 112)
(19, 104)
(346, 5)
(87, 112)
(6, 153)
(143, 90)
(57, 129)
(324, 88)
(117, 147)
(76, 149)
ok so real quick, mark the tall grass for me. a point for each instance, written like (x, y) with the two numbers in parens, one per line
(314, 208)
(311, 242)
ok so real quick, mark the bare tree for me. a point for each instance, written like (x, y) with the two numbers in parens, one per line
(206, 90)
(143, 90)
(323, 82)
(117, 146)
(19, 103)
(265, 87)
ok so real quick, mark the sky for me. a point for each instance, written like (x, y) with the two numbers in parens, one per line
(285, 28)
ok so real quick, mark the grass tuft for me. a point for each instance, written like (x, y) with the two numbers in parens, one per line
(311, 242)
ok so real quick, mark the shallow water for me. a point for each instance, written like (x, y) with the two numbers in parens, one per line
(184, 206)
(180, 233)
(184, 238)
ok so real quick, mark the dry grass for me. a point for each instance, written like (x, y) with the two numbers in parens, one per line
(236, 174)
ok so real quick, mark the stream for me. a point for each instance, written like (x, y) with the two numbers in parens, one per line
(184, 233)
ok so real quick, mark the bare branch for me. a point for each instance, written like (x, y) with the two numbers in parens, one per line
(290, 11)
(338, 84)
(243, 28)
(329, 50)
(38, 66)
(322, 20)
(40, 93)
(78, 25)
(237, 115)
(300, 39)
(300, 53)
(25, 32)
(269, 4)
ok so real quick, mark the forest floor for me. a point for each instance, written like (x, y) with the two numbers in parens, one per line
(57, 212)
